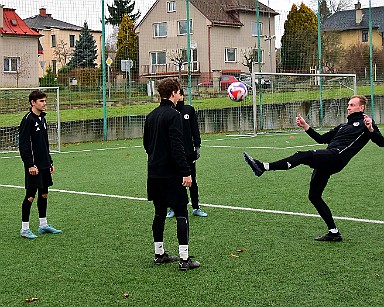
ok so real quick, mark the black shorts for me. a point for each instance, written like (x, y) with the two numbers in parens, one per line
(167, 192)
(42, 180)
(327, 160)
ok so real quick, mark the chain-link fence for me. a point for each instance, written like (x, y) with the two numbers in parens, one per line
(106, 58)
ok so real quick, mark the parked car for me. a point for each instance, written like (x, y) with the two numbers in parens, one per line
(247, 80)
(225, 81)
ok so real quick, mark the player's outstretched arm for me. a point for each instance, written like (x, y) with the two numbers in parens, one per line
(376, 135)
(300, 121)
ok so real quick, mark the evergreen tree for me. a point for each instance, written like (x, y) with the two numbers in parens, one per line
(299, 41)
(85, 52)
(119, 9)
(127, 44)
(49, 78)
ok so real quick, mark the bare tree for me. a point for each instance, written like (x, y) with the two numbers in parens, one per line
(333, 6)
(178, 58)
(333, 51)
(250, 56)
(62, 53)
(23, 69)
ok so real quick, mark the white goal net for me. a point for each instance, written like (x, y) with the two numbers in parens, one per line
(321, 98)
(14, 105)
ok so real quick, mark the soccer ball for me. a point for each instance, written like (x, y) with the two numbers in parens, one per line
(237, 91)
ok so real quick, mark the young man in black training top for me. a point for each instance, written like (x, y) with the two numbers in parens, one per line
(38, 164)
(344, 142)
(168, 172)
(192, 143)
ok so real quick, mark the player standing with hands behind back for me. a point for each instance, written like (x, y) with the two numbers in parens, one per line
(168, 172)
(344, 142)
(38, 164)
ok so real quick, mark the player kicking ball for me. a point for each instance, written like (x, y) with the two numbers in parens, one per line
(344, 142)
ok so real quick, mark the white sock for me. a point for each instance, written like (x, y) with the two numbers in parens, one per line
(43, 222)
(266, 166)
(159, 248)
(183, 252)
(334, 230)
(24, 225)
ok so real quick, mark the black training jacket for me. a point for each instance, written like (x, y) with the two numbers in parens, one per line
(163, 142)
(33, 141)
(191, 132)
(349, 138)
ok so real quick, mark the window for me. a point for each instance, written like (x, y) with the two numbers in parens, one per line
(158, 61)
(11, 64)
(193, 59)
(364, 37)
(171, 6)
(54, 66)
(72, 41)
(255, 56)
(158, 58)
(53, 41)
(230, 54)
(160, 29)
(182, 27)
(254, 29)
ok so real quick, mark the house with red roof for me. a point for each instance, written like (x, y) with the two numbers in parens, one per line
(223, 34)
(19, 47)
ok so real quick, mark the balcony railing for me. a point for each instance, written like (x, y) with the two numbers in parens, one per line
(170, 68)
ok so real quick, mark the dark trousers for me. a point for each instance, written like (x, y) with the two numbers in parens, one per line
(158, 224)
(169, 192)
(194, 189)
(325, 163)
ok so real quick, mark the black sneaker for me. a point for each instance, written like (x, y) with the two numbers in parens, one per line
(330, 237)
(256, 165)
(164, 258)
(188, 264)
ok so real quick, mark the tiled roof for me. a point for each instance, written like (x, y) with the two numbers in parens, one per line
(225, 12)
(346, 20)
(14, 25)
(40, 22)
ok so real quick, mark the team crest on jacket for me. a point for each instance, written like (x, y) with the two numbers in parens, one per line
(356, 124)
(186, 116)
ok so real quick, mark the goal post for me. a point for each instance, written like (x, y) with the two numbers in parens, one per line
(317, 95)
(13, 106)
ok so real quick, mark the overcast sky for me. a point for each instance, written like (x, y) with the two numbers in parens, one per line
(77, 11)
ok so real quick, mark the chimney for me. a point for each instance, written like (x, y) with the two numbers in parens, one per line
(359, 13)
(1, 16)
(43, 12)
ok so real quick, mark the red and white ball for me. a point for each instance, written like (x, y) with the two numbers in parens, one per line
(237, 91)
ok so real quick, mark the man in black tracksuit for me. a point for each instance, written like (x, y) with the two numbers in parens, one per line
(38, 165)
(168, 172)
(192, 143)
(344, 142)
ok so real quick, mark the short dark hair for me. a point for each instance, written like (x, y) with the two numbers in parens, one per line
(167, 86)
(362, 99)
(35, 95)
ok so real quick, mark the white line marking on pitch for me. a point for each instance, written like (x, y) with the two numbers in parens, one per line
(262, 147)
(207, 205)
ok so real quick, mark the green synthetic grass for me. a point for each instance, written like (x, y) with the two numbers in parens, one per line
(106, 248)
